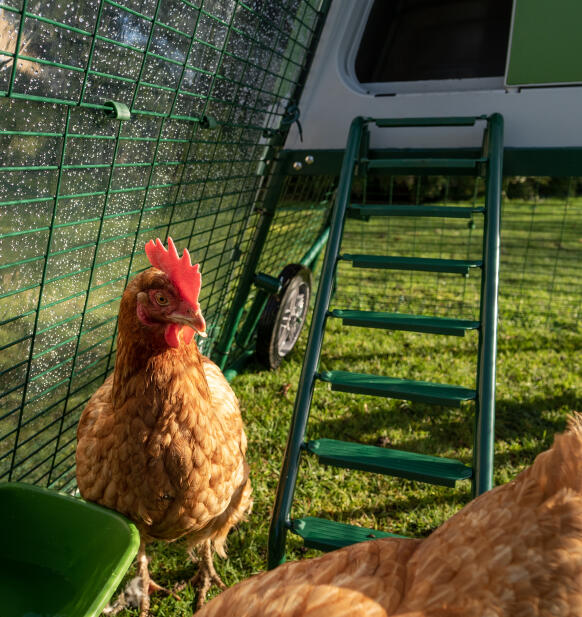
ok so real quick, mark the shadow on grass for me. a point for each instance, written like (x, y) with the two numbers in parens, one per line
(395, 509)
(441, 427)
(523, 424)
(514, 419)
(528, 428)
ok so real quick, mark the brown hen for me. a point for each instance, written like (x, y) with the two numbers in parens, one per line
(162, 440)
(515, 551)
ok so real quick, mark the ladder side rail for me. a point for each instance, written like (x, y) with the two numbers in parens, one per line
(280, 522)
(485, 404)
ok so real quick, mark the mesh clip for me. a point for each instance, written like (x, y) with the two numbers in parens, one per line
(117, 111)
(208, 122)
(290, 117)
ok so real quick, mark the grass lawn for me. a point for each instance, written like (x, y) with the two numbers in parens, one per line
(538, 385)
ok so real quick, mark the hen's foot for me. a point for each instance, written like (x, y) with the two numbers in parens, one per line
(133, 596)
(205, 577)
(203, 580)
(155, 588)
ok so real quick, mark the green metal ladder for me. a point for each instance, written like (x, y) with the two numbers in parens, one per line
(328, 535)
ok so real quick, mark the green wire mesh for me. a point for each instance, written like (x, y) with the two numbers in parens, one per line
(81, 192)
(296, 235)
(540, 251)
(302, 214)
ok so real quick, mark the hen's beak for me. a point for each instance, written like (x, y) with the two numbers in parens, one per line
(186, 316)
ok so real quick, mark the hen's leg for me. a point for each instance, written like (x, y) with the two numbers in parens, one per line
(206, 575)
(144, 574)
(148, 585)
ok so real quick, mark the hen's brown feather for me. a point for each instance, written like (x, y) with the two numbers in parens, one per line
(514, 551)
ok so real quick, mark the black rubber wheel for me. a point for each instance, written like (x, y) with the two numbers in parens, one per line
(284, 315)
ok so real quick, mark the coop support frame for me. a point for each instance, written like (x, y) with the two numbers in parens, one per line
(273, 192)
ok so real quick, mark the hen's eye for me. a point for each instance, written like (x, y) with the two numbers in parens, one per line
(161, 299)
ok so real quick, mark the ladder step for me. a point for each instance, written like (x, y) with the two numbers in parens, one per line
(422, 467)
(403, 321)
(326, 535)
(392, 387)
(454, 266)
(459, 212)
(452, 121)
(427, 165)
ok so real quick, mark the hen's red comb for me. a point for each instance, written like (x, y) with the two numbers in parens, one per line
(185, 277)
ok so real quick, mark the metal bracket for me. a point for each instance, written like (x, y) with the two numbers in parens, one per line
(268, 283)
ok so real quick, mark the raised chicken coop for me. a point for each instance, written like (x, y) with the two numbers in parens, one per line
(224, 124)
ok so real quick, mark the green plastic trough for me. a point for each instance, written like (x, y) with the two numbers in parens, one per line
(61, 556)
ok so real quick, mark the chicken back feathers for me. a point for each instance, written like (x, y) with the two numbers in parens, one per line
(162, 440)
(515, 551)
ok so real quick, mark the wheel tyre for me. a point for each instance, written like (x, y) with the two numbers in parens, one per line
(283, 316)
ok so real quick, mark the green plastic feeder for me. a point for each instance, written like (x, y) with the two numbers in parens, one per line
(61, 556)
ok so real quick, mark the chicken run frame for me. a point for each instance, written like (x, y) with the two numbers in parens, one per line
(126, 120)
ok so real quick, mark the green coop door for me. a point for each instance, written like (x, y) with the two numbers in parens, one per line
(546, 44)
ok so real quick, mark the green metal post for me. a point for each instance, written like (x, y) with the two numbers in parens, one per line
(250, 324)
(313, 253)
(280, 520)
(485, 412)
(273, 191)
(238, 365)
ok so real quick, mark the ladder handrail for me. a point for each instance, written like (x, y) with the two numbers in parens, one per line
(485, 411)
(280, 520)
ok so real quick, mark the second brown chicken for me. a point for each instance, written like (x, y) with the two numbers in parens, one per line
(515, 551)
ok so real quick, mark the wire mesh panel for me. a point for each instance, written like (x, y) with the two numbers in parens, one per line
(540, 250)
(121, 122)
(296, 235)
(302, 214)
(540, 258)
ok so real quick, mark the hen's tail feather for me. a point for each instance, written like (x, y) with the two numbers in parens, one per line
(561, 466)
(575, 423)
